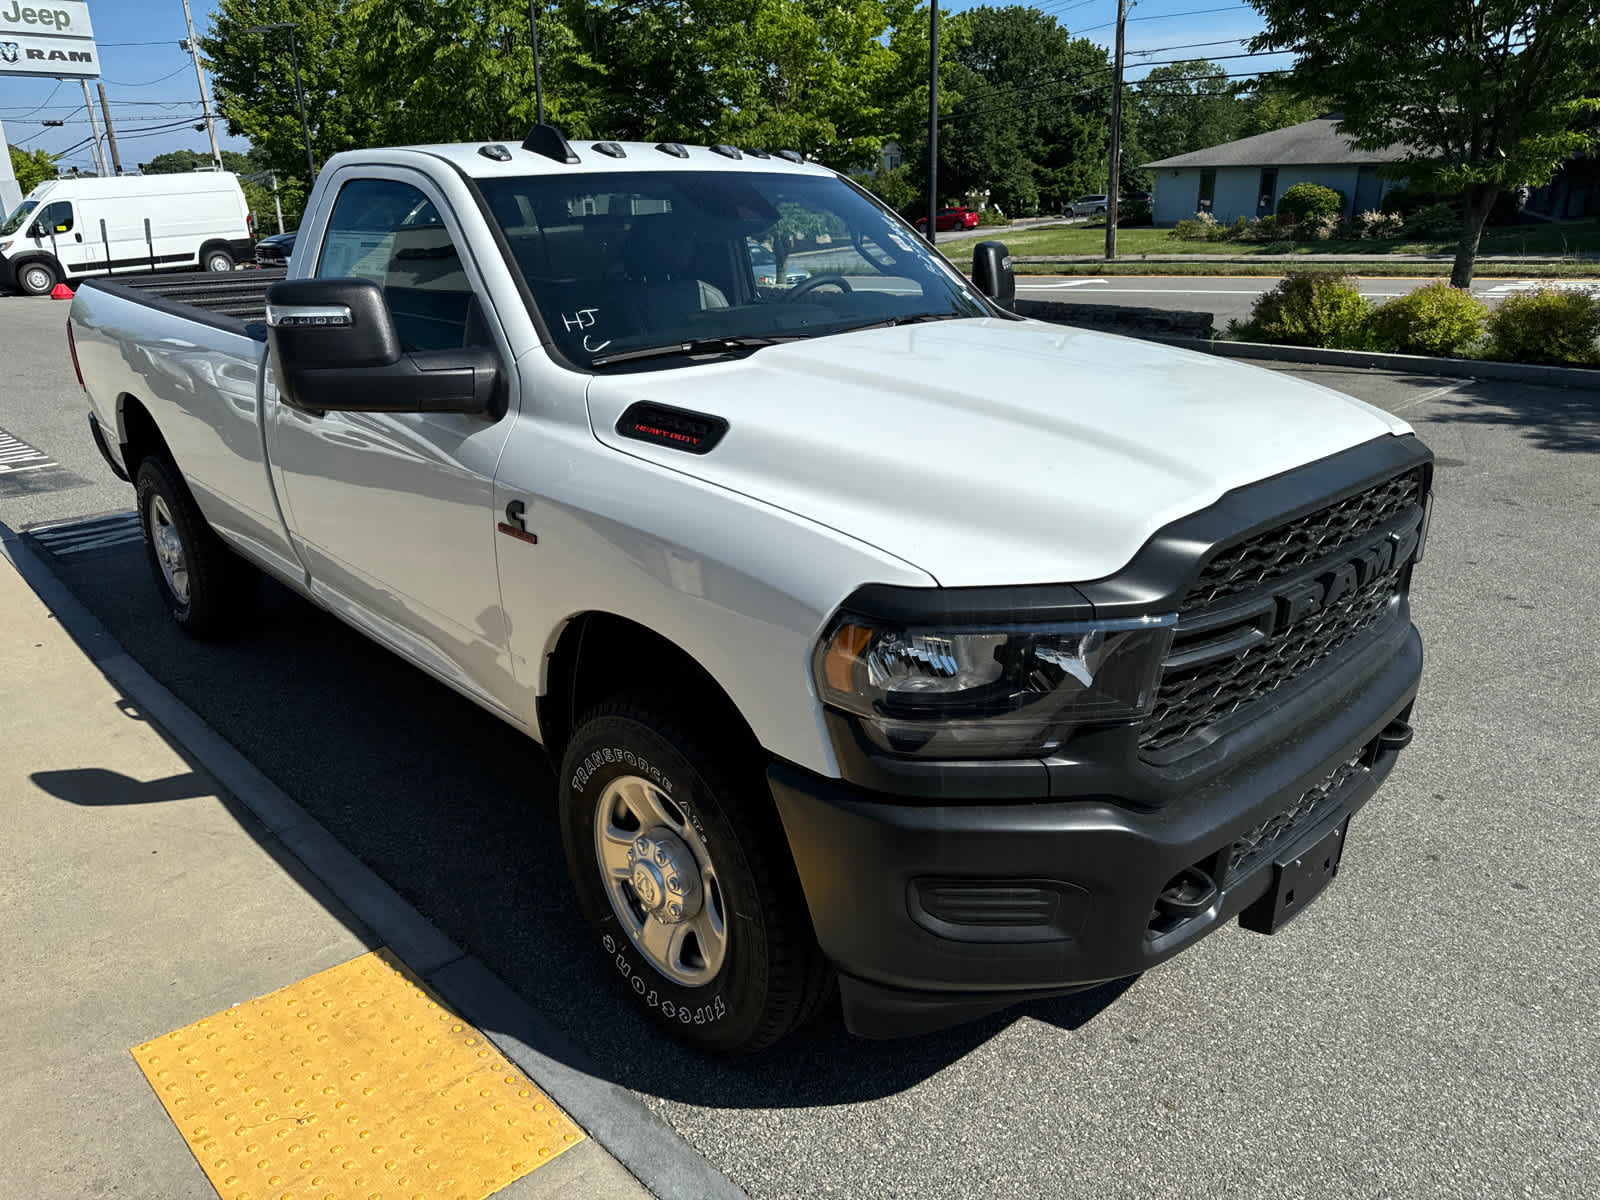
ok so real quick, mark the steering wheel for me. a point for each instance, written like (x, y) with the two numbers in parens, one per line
(805, 287)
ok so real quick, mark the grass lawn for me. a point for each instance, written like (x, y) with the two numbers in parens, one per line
(1397, 270)
(1542, 239)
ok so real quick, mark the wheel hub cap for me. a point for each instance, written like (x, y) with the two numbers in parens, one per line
(664, 876)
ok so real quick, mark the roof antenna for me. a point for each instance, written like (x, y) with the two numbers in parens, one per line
(538, 85)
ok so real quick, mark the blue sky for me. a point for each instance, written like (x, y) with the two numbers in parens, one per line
(151, 85)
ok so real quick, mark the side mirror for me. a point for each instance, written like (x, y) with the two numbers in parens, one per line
(991, 272)
(37, 230)
(335, 349)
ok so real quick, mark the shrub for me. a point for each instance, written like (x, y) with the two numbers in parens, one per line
(1436, 319)
(1310, 309)
(1318, 228)
(1375, 223)
(1434, 222)
(1202, 227)
(1549, 324)
(1135, 212)
(1305, 200)
(1261, 229)
(990, 216)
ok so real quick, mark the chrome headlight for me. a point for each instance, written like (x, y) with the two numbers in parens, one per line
(992, 691)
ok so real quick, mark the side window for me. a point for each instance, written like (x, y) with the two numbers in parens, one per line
(57, 218)
(392, 234)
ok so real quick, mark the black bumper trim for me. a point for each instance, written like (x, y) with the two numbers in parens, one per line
(857, 853)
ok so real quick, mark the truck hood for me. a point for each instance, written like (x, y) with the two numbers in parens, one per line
(991, 451)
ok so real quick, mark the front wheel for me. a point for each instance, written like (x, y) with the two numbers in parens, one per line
(37, 278)
(682, 873)
(205, 587)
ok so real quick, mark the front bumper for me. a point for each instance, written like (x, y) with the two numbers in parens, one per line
(1054, 895)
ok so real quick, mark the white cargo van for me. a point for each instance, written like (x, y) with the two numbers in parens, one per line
(68, 228)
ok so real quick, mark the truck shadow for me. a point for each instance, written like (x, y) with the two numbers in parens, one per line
(456, 812)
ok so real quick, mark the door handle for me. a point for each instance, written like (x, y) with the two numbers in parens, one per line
(78, 236)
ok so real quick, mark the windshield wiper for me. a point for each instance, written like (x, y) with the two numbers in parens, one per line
(691, 346)
(910, 319)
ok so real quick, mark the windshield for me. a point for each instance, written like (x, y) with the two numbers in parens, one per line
(18, 216)
(632, 260)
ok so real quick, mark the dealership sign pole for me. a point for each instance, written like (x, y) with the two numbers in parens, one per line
(44, 39)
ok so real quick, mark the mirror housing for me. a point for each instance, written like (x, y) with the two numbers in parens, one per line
(334, 348)
(991, 272)
(37, 230)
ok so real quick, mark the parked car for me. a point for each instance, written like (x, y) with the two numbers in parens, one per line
(70, 229)
(866, 649)
(274, 251)
(765, 266)
(1087, 206)
(951, 218)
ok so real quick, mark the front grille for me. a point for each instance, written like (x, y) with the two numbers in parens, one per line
(1264, 839)
(1191, 699)
(1205, 690)
(1279, 552)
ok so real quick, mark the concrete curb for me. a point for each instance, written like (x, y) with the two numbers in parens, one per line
(1457, 368)
(629, 1131)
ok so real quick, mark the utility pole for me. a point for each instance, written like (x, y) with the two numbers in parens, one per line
(933, 120)
(193, 47)
(111, 134)
(276, 203)
(94, 129)
(1116, 136)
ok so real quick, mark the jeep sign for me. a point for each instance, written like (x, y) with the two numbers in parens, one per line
(54, 40)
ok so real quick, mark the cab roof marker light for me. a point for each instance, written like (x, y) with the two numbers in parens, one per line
(726, 151)
(758, 154)
(793, 156)
(495, 151)
(609, 149)
(676, 149)
(547, 140)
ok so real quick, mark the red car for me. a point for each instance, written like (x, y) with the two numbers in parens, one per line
(952, 218)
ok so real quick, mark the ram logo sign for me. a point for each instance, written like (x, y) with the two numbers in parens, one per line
(54, 40)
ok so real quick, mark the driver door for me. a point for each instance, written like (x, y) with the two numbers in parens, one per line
(392, 513)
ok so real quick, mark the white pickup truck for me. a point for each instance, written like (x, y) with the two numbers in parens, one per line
(883, 639)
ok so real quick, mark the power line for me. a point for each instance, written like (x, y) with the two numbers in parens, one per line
(1073, 88)
(148, 82)
(1193, 12)
(1196, 46)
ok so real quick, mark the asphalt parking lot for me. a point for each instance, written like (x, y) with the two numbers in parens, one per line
(1427, 1028)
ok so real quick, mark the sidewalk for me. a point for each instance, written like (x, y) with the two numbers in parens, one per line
(137, 900)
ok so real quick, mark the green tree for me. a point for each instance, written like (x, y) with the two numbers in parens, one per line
(178, 162)
(1187, 106)
(1029, 122)
(31, 167)
(1268, 105)
(1485, 95)
(254, 82)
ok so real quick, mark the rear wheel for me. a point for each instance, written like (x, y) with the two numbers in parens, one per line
(682, 873)
(217, 259)
(37, 278)
(205, 587)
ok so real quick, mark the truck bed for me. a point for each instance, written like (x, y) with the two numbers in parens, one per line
(240, 295)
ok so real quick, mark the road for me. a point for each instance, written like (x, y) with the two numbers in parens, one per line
(1425, 1030)
(1229, 297)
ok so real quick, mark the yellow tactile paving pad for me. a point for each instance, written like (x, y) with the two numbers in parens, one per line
(356, 1082)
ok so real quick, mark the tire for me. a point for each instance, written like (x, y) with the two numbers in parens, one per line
(704, 815)
(37, 278)
(207, 589)
(217, 259)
